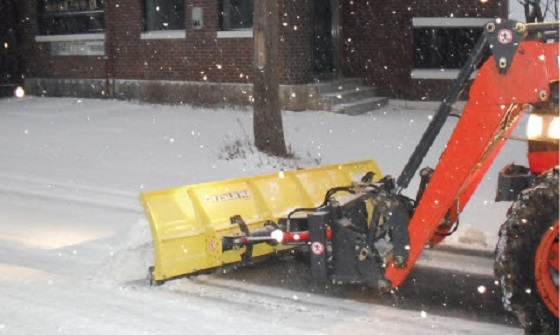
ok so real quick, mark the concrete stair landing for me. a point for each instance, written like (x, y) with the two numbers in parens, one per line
(346, 96)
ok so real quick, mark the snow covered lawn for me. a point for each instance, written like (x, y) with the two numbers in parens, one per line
(75, 246)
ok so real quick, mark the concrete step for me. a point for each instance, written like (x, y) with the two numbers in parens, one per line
(337, 85)
(347, 96)
(361, 106)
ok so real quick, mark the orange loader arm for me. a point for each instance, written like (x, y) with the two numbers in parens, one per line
(497, 100)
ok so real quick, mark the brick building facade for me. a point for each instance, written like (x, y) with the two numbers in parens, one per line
(126, 49)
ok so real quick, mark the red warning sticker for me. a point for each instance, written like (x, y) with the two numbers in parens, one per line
(317, 248)
(505, 36)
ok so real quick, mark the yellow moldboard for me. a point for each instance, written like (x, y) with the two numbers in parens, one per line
(187, 223)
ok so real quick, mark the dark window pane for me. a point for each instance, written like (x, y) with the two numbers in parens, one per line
(165, 14)
(57, 17)
(61, 6)
(443, 48)
(236, 14)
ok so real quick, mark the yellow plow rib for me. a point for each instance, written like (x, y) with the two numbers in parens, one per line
(188, 223)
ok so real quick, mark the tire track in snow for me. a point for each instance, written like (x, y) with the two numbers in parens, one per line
(70, 192)
(337, 310)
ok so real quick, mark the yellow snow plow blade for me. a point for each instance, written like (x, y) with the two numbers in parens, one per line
(188, 223)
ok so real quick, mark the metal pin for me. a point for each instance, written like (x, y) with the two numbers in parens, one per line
(503, 63)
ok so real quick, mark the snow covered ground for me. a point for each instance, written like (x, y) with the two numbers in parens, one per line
(75, 246)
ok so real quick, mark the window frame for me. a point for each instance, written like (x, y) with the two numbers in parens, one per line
(442, 23)
(175, 29)
(55, 20)
(225, 17)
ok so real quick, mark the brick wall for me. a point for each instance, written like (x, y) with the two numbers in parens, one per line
(39, 61)
(214, 59)
(376, 42)
(201, 56)
(124, 23)
(296, 41)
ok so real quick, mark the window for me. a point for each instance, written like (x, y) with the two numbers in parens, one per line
(165, 15)
(236, 14)
(63, 17)
(444, 43)
(443, 48)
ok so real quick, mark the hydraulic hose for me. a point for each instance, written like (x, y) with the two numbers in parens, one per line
(441, 115)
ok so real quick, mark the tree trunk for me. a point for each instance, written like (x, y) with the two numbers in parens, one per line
(534, 15)
(267, 117)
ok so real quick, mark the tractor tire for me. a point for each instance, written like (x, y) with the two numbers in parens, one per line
(526, 263)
